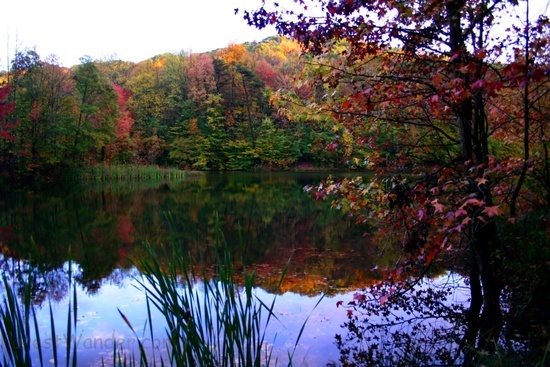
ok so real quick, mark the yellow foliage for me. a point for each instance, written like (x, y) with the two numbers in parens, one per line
(159, 63)
(232, 54)
(289, 46)
(280, 48)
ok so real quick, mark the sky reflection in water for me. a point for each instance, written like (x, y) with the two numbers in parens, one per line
(100, 324)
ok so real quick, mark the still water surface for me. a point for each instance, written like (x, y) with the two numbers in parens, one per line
(103, 226)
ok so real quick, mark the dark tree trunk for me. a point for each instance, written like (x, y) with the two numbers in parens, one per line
(484, 318)
(484, 248)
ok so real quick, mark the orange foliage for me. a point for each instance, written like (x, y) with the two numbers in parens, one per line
(233, 54)
(159, 63)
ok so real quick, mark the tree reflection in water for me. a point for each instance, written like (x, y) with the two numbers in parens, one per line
(408, 324)
(104, 226)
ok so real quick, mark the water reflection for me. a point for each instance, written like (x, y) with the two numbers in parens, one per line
(101, 227)
(100, 326)
(104, 226)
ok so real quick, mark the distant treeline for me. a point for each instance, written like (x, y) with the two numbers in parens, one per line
(221, 110)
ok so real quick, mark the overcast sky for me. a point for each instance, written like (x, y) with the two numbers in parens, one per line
(133, 30)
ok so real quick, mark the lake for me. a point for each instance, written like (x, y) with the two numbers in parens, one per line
(267, 221)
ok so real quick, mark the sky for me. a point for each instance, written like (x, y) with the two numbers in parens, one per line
(130, 30)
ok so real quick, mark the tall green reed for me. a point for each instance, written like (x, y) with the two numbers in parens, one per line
(20, 331)
(223, 324)
(134, 172)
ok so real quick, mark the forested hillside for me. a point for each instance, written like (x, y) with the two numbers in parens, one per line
(213, 111)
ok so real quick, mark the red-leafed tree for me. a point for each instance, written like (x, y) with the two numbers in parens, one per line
(6, 108)
(125, 120)
(430, 74)
(267, 74)
(201, 78)
(120, 149)
(6, 127)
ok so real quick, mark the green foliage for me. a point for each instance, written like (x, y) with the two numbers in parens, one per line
(147, 102)
(97, 111)
(184, 149)
(276, 147)
(240, 155)
(44, 111)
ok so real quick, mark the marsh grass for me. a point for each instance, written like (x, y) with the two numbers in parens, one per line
(131, 172)
(21, 333)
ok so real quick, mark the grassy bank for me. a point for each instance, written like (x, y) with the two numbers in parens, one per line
(103, 172)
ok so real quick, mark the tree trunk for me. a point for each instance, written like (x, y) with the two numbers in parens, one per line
(484, 248)
(457, 53)
(249, 115)
(484, 318)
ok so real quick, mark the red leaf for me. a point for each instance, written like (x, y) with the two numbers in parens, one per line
(479, 84)
(460, 212)
(474, 202)
(491, 211)
(431, 256)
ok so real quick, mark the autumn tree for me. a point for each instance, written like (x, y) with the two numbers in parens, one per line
(96, 103)
(241, 91)
(202, 85)
(159, 103)
(146, 103)
(280, 66)
(187, 136)
(201, 78)
(117, 71)
(21, 63)
(46, 112)
(431, 70)
(121, 148)
(6, 128)
(43, 112)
